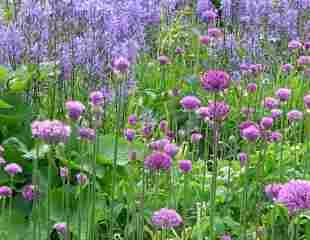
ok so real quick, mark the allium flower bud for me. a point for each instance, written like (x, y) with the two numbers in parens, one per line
(205, 40)
(96, 98)
(166, 219)
(266, 122)
(294, 44)
(294, 116)
(190, 103)
(171, 149)
(63, 172)
(163, 60)
(303, 60)
(271, 103)
(275, 137)
(147, 130)
(30, 192)
(307, 45)
(130, 134)
(276, 113)
(215, 80)
(252, 87)
(179, 50)
(87, 134)
(5, 192)
(81, 178)
(163, 126)
(121, 65)
(251, 133)
(132, 120)
(286, 68)
(243, 158)
(75, 109)
(61, 228)
(283, 94)
(185, 166)
(226, 237)
(12, 169)
(196, 137)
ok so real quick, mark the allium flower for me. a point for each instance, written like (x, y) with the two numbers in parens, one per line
(294, 115)
(294, 44)
(276, 113)
(286, 68)
(307, 101)
(251, 133)
(163, 125)
(215, 32)
(270, 103)
(179, 50)
(96, 98)
(190, 103)
(61, 228)
(304, 60)
(185, 166)
(226, 237)
(252, 87)
(171, 149)
(283, 94)
(243, 158)
(266, 122)
(75, 109)
(147, 130)
(132, 120)
(166, 218)
(159, 145)
(215, 80)
(158, 161)
(217, 111)
(12, 169)
(275, 136)
(87, 134)
(163, 60)
(5, 192)
(121, 65)
(307, 45)
(52, 132)
(295, 195)
(205, 40)
(196, 137)
(30, 192)
(130, 134)
(81, 178)
(2, 161)
(63, 172)
(272, 190)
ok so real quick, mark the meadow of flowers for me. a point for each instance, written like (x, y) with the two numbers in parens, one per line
(155, 120)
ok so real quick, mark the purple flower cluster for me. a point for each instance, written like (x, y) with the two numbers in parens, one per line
(75, 109)
(190, 103)
(215, 80)
(166, 219)
(12, 169)
(217, 111)
(5, 192)
(158, 161)
(52, 132)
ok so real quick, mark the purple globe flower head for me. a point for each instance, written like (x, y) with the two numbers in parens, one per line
(171, 149)
(252, 87)
(87, 134)
(283, 94)
(190, 103)
(52, 132)
(129, 134)
(163, 126)
(209, 16)
(81, 178)
(217, 111)
(2, 161)
(251, 133)
(159, 145)
(132, 120)
(163, 60)
(247, 111)
(307, 101)
(5, 192)
(203, 112)
(307, 72)
(243, 158)
(247, 124)
(294, 116)
(226, 237)
(64, 172)
(30, 192)
(215, 33)
(294, 44)
(12, 169)
(75, 109)
(96, 98)
(196, 137)
(147, 130)
(286, 68)
(303, 60)
(185, 166)
(215, 80)
(307, 45)
(61, 228)
(266, 122)
(121, 65)
(275, 136)
(170, 135)
(256, 68)
(179, 50)
(205, 40)
(295, 195)
(271, 103)
(272, 190)
(166, 219)
(276, 113)
(158, 161)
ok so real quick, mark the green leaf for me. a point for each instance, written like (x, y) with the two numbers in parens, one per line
(5, 105)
